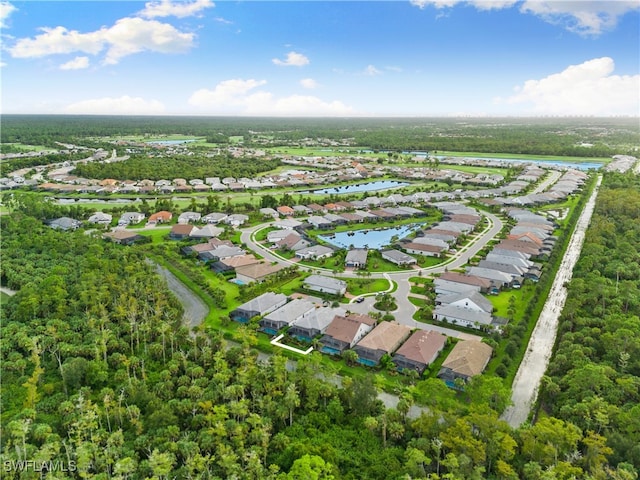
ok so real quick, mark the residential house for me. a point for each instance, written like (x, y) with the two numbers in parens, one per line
(315, 323)
(189, 217)
(208, 231)
(434, 242)
(262, 305)
(214, 217)
(422, 249)
(513, 270)
(256, 272)
(398, 257)
(236, 219)
(180, 231)
(160, 217)
(462, 316)
(64, 223)
(286, 211)
(130, 218)
(302, 210)
(287, 224)
(124, 237)
(286, 315)
(498, 278)
(356, 258)
(335, 219)
(471, 300)
(385, 338)
(344, 332)
(319, 222)
(420, 350)
(268, 212)
(100, 218)
(483, 285)
(315, 252)
(293, 242)
(275, 236)
(323, 284)
(467, 359)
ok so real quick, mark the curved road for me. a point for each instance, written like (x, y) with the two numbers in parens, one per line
(534, 364)
(194, 309)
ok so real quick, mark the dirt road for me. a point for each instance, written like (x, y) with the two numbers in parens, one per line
(527, 381)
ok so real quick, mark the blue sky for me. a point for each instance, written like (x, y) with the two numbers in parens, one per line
(315, 58)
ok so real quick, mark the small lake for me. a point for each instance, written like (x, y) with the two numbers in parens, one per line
(373, 239)
(361, 187)
(542, 163)
(170, 142)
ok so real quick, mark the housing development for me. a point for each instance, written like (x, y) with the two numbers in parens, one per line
(378, 289)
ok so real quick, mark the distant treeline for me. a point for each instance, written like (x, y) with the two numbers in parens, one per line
(589, 137)
(138, 168)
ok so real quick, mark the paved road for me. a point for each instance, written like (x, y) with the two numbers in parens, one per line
(552, 178)
(195, 310)
(534, 364)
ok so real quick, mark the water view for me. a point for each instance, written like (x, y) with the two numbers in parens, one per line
(170, 142)
(362, 187)
(543, 163)
(373, 239)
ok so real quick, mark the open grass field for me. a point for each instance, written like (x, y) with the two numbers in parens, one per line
(28, 148)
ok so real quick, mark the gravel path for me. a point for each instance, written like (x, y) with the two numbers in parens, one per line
(195, 310)
(527, 381)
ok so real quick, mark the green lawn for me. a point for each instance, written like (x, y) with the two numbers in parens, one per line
(362, 286)
(157, 234)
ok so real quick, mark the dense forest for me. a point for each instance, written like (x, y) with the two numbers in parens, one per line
(99, 376)
(139, 168)
(594, 377)
(542, 136)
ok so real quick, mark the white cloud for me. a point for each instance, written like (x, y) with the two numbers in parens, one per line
(372, 71)
(582, 17)
(6, 9)
(435, 3)
(58, 40)
(585, 89)
(309, 83)
(127, 36)
(585, 17)
(294, 59)
(167, 8)
(226, 93)
(133, 35)
(237, 97)
(479, 4)
(3, 64)
(77, 63)
(124, 105)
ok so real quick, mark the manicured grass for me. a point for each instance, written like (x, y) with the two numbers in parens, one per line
(29, 148)
(362, 286)
(522, 297)
(418, 302)
(157, 234)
